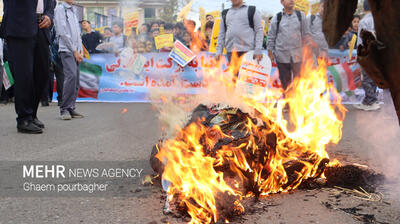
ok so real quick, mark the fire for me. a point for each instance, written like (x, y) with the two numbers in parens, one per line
(279, 151)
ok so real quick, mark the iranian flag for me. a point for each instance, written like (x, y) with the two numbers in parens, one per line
(89, 80)
(8, 79)
(343, 77)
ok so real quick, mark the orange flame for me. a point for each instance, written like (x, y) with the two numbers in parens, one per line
(301, 135)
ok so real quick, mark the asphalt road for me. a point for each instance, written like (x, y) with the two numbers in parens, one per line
(106, 134)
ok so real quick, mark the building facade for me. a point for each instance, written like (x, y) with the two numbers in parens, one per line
(104, 12)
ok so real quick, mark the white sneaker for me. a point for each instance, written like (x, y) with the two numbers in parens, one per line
(372, 107)
(65, 116)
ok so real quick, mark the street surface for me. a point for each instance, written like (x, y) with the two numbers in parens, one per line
(106, 134)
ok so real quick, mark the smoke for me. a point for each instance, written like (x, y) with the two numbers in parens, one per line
(175, 108)
(173, 112)
(378, 136)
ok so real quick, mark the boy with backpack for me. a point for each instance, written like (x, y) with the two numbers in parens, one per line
(71, 53)
(287, 36)
(241, 30)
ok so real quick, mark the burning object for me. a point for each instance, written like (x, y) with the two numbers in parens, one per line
(251, 148)
(226, 156)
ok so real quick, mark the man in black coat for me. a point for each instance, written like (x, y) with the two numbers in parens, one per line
(25, 27)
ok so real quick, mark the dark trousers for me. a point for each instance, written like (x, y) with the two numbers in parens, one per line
(71, 82)
(47, 95)
(370, 88)
(229, 55)
(56, 71)
(239, 54)
(285, 73)
(29, 64)
(6, 95)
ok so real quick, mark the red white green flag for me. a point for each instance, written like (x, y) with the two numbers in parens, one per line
(343, 77)
(89, 80)
(8, 79)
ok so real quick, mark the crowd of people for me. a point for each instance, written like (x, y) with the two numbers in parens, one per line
(56, 34)
(142, 39)
(290, 32)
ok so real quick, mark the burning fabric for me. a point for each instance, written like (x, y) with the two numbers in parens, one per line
(225, 154)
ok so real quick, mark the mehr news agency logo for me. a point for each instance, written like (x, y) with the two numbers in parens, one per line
(59, 172)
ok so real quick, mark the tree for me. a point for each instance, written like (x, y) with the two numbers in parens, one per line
(168, 13)
(171, 9)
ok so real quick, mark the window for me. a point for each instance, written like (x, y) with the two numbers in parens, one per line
(112, 12)
(90, 11)
(149, 13)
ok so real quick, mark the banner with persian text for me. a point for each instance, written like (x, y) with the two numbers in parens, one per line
(129, 77)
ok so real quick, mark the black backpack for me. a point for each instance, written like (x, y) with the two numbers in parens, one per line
(250, 14)
(312, 20)
(125, 38)
(279, 17)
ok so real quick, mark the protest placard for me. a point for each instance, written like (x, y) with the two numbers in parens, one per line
(253, 76)
(352, 44)
(138, 64)
(302, 5)
(315, 8)
(202, 19)
(185, 11)
(131, 20)
(165, 40)
(216, 14)
(181, 54)
(265, 28)
(120, 80)
(214, 36)
(106, 47)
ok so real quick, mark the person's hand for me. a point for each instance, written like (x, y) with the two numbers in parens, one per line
(258, 57)
(271, 55)
(308, 38)
(78, 57)
(341, 47)
(323, 56)
(46, 23)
